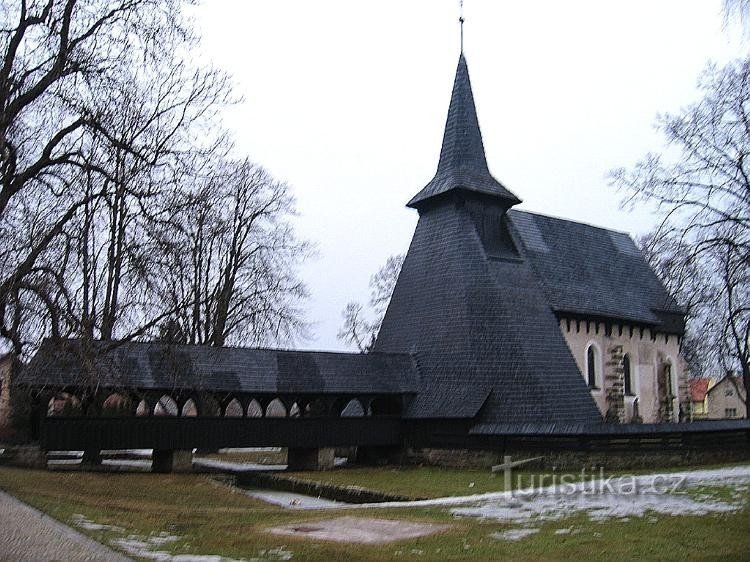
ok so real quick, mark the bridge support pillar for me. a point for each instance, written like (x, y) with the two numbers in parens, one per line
(91, 457)
(310, 458)
(167, 460)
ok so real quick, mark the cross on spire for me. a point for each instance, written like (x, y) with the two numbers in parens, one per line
(461, 20)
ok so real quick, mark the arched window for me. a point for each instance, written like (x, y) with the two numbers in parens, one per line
(254, 409)
(166, 406)
(143, 409)
(189, 409)
(627, 374)
(276, 409)
(591, 367)
(353, 409)
(116, 404)
(233, 409)
(668, 379)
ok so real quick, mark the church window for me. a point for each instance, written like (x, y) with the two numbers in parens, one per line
(628, 376)
(591, 367)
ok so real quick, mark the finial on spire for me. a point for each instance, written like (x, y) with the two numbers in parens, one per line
(461, 21)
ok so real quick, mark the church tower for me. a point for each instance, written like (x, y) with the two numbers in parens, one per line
(467, 304)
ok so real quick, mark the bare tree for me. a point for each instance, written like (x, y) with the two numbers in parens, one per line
(703, 195)
(101, 110)
(361, 326)
(737, 10)
(233, 257)
(59, 61)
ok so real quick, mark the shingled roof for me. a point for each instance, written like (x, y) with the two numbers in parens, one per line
(463, 165)
(155, 365)
(591, 271)
(481, 330)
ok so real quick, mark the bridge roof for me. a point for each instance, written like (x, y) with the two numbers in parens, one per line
(158, 365)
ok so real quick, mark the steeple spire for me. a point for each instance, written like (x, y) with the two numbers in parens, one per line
(462, 164)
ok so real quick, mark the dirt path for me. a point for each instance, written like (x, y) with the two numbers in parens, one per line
(29, 535)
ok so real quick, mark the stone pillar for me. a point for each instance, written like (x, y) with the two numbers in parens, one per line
(310, 458)
(27, 456)
(168, 460)
(614, 385)
(182, 461)
(161, 460)
(91, 457)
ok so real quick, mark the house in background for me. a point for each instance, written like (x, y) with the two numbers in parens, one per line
(698, 397)
(726, 398)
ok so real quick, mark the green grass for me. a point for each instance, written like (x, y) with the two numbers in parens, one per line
(215, 519)
(416, 481)
(436, 482)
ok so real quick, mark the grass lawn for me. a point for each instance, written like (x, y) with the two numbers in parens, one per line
(435, 482)
(214, 519)
(417, 481)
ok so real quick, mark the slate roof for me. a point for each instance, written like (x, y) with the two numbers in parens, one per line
(593, 271)
(477, 307)
(481, 330)
(462, 161)
(162, 366)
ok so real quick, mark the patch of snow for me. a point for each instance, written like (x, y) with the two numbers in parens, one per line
(563, 531)
(84, 523)
(238, 466)
(128, 462)
(514, 534)
(293, 501)
(363, 530)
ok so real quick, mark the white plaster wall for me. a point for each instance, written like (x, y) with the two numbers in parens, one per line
(725, 395)
(645, 355)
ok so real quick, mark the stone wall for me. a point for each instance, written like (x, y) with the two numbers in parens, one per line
(648, 353)
(578, 460)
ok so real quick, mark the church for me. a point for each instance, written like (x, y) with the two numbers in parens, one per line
(515, 317)
(502, 323)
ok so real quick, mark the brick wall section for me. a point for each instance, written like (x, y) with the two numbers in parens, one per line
(614, 385)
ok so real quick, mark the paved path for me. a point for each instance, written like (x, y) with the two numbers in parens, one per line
(29, 535)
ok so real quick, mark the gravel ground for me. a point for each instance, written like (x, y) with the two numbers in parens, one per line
(29, 535)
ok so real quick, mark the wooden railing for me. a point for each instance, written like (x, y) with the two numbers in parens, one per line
(79, 433)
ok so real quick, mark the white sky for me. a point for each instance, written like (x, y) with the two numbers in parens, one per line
(346, 100)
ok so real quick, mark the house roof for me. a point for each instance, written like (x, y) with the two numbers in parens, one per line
(698, 389)
(481, 331)
(462, 164)
(728, 377)
(158, 365)
(588, 270)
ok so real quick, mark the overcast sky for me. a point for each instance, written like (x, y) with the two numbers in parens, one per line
(346, 100)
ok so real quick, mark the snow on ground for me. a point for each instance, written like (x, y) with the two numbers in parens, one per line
(237, 466)
(294, 501)
(514, 534)
(601, 499)
(362, 530)
(147, 547)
